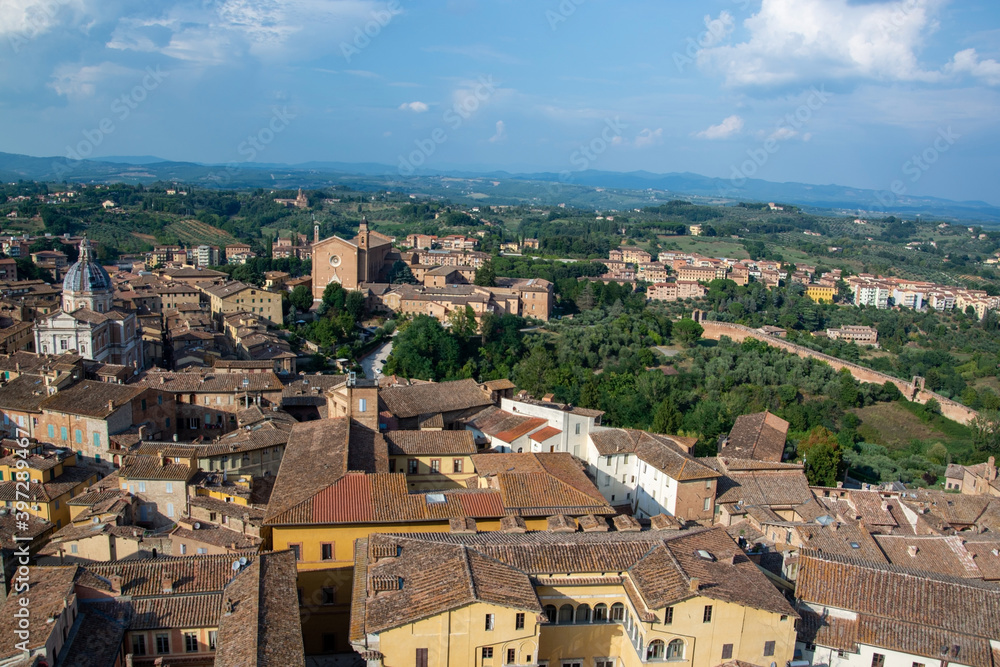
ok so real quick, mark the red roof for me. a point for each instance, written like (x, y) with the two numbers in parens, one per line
(524, 428)
(545, 434)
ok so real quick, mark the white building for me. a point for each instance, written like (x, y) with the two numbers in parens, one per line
(88, 322)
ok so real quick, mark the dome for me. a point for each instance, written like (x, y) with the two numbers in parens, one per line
(86, 276)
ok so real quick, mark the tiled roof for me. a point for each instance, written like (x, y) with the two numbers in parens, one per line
(950, 555)
(48, 589)
(25, 393)
(97, 641)
(91, 398)
(918, 601)
(554, 479)
(545, 434)
(180, 611)
(48, 491)
(9, 526)
(758, 436)
(263, 626)
(259, 436)
(429, 442)
(252, 514)
(209, 381)
(216, 535)
(143, 578)
(415, 400)
(772, 489)
(139, 466)
(659, 451)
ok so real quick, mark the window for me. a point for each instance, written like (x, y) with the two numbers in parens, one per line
(297, 550)
(604, 662)
(97, 440)
(139, 644)
(52, 429)
(878, 660)
(487, 652)
(768, 649)
(490, 621)
(412, 466)
(421, 657)
(707, 616)
(362, 404)
(601, 613)
(184, 549)
(656, 650)
(142, 487)
(583, 613)
(326, 551)
(435, 465)
(162, 643)
(577, 429)
(329, 595)
(675, 650)
(566, 613)
(668, 615)
(78, 435)
(170, 487)
(456, 465)
(190, 642)
(918, 664)
(73, 549)
(142, 403)
(511, 656)
(170, 509)
(64, 433)
(618, 612)
(201, 551)
(550, 613)
(519, 622)
(213, 639)
(707, 504)
(727, 651)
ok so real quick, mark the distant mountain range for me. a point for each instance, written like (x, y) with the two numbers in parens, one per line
(592, 189)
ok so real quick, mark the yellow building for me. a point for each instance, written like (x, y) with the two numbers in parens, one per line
(233, 297)
(53, 480)
(821, 293)
(609, 599)
(334, 488)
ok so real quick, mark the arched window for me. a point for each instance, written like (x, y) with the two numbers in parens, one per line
(601, 613)
(566, 613)
(550, 613)
(583, 613)
(618, 612)
(675, 650)
(656, 649)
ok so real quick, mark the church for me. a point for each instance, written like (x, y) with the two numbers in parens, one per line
(88, 322)
(363, 259)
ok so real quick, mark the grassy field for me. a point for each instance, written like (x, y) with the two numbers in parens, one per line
(706, 245)
(897, 427)
(195, 232)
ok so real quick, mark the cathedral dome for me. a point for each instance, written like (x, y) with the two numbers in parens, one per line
(87, 275)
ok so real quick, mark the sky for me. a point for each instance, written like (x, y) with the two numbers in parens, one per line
(899, 96)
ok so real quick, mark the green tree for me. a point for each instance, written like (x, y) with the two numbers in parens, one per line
(687, 332)
(334, 297)
(400, 274)
(585, 301)
(302, 298)
(354, 305)
(424, 350)
(822, 466)
(486, 276)
(668, 419)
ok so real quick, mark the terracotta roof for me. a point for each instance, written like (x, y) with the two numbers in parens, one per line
(429, 442)
(72, 477)
(415, 400)
(905, 609)
(769, 488)
(190, 575)
(34, 528)
(182, 611)
(48, 590)
(209, 381)
(315, 458)
(659, 451)
(263, 626)
(217, 535)
(757, 436)
(545, 434)
(91, 398)
(950, 555)
(25, 393)
(98, 640)
(151, 467)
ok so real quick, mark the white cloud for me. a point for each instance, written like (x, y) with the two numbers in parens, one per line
(271, 30)
(799, 40)
(968, 62)
(26, 19)
(77, 82)
(716, 30)
(783, 133)
(501, 133)
(724, 130)
(415, 107)
(649, 137)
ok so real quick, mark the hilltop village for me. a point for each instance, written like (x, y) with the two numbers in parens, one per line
(176, 492)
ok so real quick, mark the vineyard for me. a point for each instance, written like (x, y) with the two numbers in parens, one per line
(195, 232)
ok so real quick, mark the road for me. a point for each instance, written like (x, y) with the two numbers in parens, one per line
(372, 364)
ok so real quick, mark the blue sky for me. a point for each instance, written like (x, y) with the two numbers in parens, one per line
(865, 93)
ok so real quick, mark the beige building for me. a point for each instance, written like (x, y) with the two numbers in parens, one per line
(351, 263)
(674, 291)
(233, 297)
(566, 599)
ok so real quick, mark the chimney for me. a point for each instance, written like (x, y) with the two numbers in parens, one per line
(991, 468)
(694, 584)
(116, 583)
(111, 406)
(167, 582)
(913, 550)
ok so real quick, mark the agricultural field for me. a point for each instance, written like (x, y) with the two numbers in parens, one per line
(899, 429)
(195, 232)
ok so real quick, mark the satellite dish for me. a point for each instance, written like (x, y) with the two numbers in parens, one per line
(197, 525)
(243, 560)
(236, 566)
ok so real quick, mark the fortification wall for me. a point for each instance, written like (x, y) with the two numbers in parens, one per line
(913, 391)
